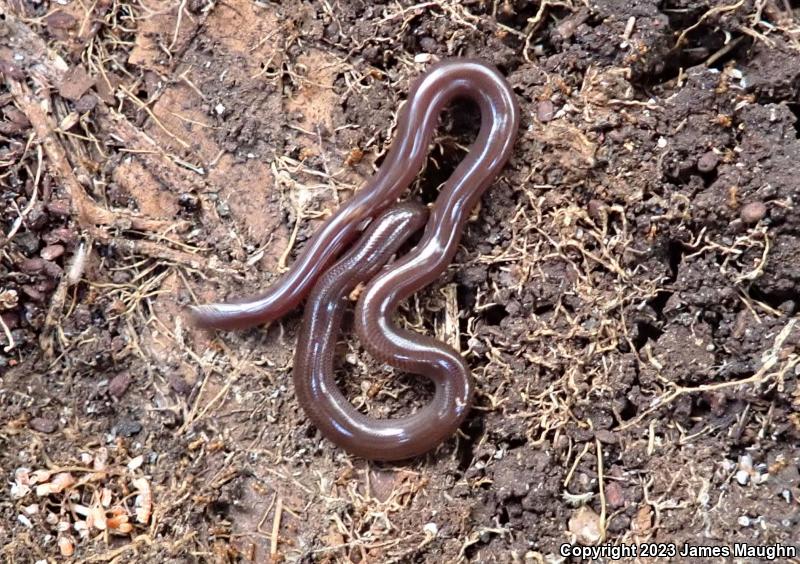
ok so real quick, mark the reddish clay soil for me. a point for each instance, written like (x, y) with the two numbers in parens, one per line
(627, 294)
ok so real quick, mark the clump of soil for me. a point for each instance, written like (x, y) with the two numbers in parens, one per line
(627, 296)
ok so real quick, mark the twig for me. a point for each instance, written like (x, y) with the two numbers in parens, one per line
(88, 213)
(276, 524)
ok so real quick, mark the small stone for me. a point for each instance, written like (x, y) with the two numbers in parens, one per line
(431, 529)
(220, 109)
(33, 293)
(43, 425)
(708, 162)
(223, 209)
(121, 277)
(746, 463)
(545, 111)
(128, 428)
(605, 436)
(60, 20)
(428, 44)
(119, 384)
(742, 477)
(37, 218)
(188, 201)
(597, 209)
(52, 270)
(32, 265)
(52, 252)
(59, 207)
(753, 212)
(615, 495)
(744, 521)
(585, 525)
(62, 235)
(86, 103)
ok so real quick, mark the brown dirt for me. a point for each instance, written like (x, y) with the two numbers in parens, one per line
(628, 295)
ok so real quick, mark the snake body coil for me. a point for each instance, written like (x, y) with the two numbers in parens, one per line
(391, 439)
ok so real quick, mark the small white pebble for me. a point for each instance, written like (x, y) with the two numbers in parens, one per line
(51, 518)
(742, 477)
(135, 462)
(250, 156)
(746, 463)
(32, 509)
(422, 58)
(64, 526)
(19, 490)
(744, 521)
(431, 529)
(24, 520)
(662, 142)
(220, 109)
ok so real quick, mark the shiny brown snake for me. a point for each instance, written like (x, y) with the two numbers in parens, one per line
(326, 282)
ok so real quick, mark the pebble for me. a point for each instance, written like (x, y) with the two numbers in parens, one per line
(596, 209)
(708, 162)
(32, 265)
(742, 477)
(62, 235)
(128, 428)
(86, 103)
(37, 218)
(188, 201)
(545, 111)
(744, 521)
(121, 277)
(753, 212)
(60, 20)
(615, 495)
(33, 293)
(585, 525)
(605, 436)
(52, 252)
(52, 269)
(59, 207)
(119, 384)
(43, 425)
(428, 44)
(27, 242)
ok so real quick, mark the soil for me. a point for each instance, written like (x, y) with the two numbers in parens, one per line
(627, 295)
